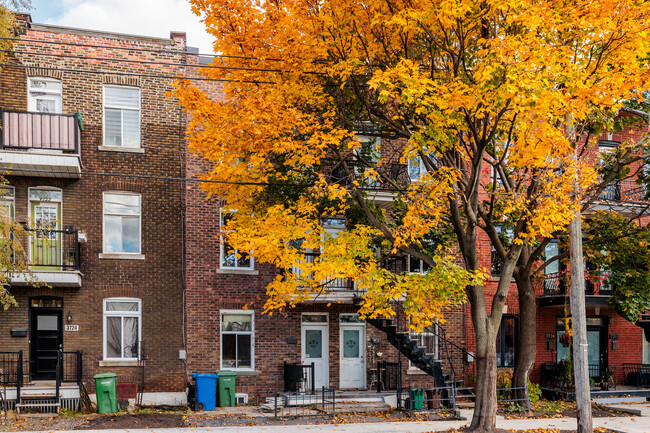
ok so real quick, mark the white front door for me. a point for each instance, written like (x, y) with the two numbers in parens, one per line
(315, 349)
(353, 355)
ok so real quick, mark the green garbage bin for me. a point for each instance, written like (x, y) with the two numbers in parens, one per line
(226, 387)
(417, 398)
(106, 389)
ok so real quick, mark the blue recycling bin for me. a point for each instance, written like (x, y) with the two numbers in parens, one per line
(206, 391)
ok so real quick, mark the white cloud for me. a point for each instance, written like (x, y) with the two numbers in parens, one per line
(138, 17)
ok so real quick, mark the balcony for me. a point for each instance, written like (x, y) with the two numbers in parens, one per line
(623, 196)
(555, 288)
(54, 257)
(40, 144)
(332, 289)
(382, 193)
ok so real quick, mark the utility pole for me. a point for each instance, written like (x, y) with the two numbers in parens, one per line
(578, 309)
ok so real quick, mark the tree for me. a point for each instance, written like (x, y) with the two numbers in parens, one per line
(612, 167)
(454, 87)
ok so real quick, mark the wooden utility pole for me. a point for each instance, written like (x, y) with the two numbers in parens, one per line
(578, 309)
(579, 319)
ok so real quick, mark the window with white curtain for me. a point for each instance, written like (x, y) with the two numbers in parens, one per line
(122, 328)
(121, 116)
(122, 222)
(237, 344)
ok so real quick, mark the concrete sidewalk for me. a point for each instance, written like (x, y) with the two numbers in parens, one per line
(620, 424)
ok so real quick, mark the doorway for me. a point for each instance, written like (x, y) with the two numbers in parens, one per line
(315, 347)
(352, 339)
(46, 336)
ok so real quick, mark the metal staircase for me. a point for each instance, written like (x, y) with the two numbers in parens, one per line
(412, 351)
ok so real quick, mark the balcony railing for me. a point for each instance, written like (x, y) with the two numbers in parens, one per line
(51, 249)
(22, 130)
(558, 284)
(624, 190)
(330, 284)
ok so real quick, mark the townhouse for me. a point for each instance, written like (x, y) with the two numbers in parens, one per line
(88, 142)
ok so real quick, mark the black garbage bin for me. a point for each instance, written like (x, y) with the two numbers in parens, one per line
(293, 375)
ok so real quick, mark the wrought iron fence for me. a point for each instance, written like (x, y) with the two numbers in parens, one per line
(299, 404)
(71, 366)
(436, 399)
(299, 377)
(508, 396)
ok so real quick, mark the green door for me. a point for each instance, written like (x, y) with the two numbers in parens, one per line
(45, 240)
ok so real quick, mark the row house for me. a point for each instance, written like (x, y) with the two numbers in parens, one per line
(84, 117)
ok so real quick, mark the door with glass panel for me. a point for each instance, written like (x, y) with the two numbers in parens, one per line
(352, 337)
(46, 336)
(315, 348)
(45, 246)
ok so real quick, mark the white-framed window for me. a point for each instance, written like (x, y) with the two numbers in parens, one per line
(416, 168)
(121, 116)
(231, 258)
(122, 222)
(122, 328)
(237, 340)
(417, 265)
(44, 95)
(646, 349)
(370, 151)
(7, 201)
(428, 339)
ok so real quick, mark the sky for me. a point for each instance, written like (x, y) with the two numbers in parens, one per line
(138, 17)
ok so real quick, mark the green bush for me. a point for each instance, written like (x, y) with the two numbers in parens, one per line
(534, 392)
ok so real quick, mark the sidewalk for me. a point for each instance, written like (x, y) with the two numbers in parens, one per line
(620, 424)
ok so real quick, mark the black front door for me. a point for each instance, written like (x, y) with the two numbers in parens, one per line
(46, 338)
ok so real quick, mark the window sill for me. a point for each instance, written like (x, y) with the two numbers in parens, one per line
(238, 271)
(121, 256)
(121, 149)
(243, 372)
(119, 363)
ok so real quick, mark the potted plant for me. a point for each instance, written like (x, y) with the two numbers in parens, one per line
(605, 377)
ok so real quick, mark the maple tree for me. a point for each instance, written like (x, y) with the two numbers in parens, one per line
(323, 102)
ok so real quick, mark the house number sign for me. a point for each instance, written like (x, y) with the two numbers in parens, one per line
(73, 328)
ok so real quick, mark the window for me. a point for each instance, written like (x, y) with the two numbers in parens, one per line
(7, 201)
(121, 223)
(605, 147)
(121, 116)
(237, 339)
(428, 339)
(230, 257)
(122, 328)
(44, 95)
(505, 235)
(417, 265)
(370, 152)
(416, 168)
(646, 349)
(506, 342)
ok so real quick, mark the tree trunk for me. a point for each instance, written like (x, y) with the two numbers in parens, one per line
(485, 407)
(527, 338)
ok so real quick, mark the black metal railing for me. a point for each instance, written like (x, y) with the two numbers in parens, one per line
(624, 190)
(23, 130)
(71, 366)
(557, 284)
(51, 249)
(11, 370)
(322, 403)
(436, 399)
(637, 374)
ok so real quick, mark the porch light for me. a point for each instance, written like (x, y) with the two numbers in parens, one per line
(69, 318)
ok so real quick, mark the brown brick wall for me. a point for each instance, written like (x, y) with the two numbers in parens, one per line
(157, 280)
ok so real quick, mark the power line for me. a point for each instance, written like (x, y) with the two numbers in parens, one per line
(175, 179)
(130, 74)
(149, 62)
(76, 44)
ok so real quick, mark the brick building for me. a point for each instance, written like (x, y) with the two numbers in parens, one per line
(227, 330)
(75, 102)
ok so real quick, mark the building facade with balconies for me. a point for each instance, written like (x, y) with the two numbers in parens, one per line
(84, 115)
